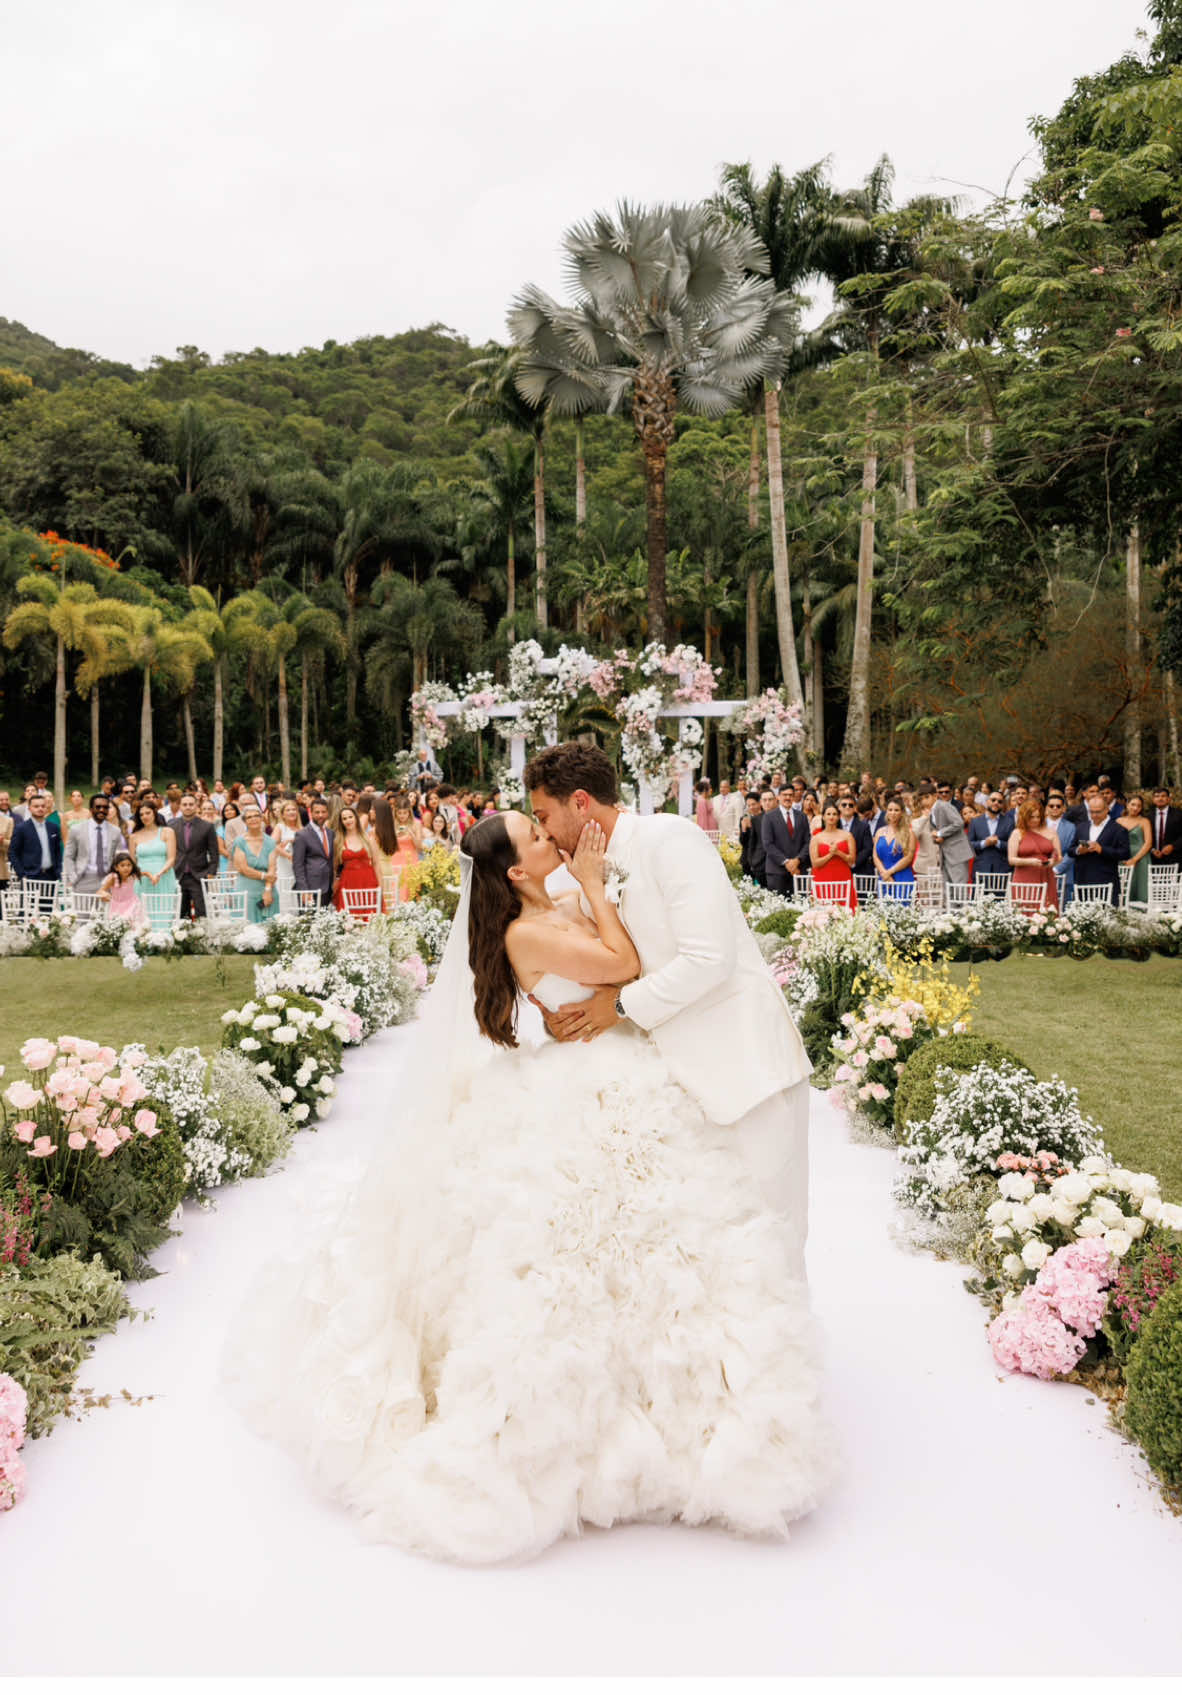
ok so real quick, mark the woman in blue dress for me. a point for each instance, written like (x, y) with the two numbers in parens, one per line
(253, 859)
(154, 847)
(894, 855)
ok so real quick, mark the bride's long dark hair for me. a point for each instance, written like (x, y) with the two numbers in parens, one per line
(494, 905)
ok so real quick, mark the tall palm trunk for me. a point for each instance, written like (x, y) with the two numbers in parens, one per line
(540, 529)
(219, 719)
(1174, 767)
(190, 740)
(511, 574)
(654, 406)
(580, 476)
(1132, 736)
(910, 485)
(59, 726)
(857, 724)
(352, 664)
(785, 633)
(752, 635)
(808, 646)
(146, 729)
(818, 675)
(304, 772)
(94, 737)
(284, 727)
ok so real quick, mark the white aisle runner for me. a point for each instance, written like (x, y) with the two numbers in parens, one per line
(981, 1525)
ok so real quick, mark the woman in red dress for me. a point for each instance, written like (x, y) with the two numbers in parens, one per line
(1034, 852)
(832, 853)
(353, 862)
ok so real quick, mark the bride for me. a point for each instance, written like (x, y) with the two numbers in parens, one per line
(567, 1302)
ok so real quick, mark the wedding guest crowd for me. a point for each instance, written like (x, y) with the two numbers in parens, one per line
(355, 846)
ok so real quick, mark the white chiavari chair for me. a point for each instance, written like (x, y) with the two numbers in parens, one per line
(991, 885)
(1093, 894)
(929, 891)
(866, 885)
(37, 898)
(1029, 897)
(361, 903)
(958, 895)
(82, 904)
(1125, 873)
(802, 886)
(161, 909)
(1165, 888)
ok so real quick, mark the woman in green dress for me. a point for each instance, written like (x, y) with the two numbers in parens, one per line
(153, 846)
(1133, 820)
(254, 860)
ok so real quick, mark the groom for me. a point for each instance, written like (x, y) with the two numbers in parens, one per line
(705, 994)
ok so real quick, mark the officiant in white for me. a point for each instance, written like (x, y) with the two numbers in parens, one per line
(571, 1293)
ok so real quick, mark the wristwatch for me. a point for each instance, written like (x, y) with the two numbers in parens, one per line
(620, 1013)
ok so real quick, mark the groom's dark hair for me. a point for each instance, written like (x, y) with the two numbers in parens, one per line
(569, 766)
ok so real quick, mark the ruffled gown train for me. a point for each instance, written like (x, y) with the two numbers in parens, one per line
(581, 1314)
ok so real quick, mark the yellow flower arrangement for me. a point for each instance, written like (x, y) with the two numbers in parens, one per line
(948, 1006)
(435, 879)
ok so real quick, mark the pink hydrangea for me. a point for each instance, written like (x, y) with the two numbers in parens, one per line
(12, 1481)
(1031, 1339)
(1074, 1284)
(14, 1410)
(414, 968)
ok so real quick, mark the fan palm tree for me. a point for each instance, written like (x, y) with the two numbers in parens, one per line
(166, 652)
(62, 618)
(666, 316)
(494, 395)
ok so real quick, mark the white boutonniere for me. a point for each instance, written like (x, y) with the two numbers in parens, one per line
(614, 878)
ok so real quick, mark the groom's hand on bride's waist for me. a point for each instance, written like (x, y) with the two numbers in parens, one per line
(582, 1021)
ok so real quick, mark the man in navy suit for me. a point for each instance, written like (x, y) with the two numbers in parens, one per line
(1061, 826)
(1165, 822)
(786, 844)
(311, 854)
(988, 837)
(1102, 847)
(856, 820)
(35, 851)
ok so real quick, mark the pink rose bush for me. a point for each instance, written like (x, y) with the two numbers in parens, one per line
(14, 1408)
(1044, 1331)
(78, 1103)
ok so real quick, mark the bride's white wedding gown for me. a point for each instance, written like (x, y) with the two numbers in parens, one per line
(583, 1315)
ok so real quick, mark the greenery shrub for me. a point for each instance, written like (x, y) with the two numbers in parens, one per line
(1149, 1268)
(50, 1314)
(915, 1097)
(157, 1166)
(778, 923)
(1153, 1411)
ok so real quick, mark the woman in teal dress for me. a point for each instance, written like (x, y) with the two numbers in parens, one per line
(1135, 822)
(894, 854)
(253, 858)
(154, 847)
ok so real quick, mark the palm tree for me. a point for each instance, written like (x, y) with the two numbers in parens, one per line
(63, 618)
(504, 496)
(208, 620)
(788, 215)
(494, 395)
(210, 496)
(419, 620)
(666, 316)
(868, 250)
(167, 652)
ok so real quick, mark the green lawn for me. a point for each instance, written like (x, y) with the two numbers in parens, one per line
(1111, 1028)
(169, 1004)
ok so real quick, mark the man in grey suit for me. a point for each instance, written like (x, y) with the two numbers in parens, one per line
(948, 828)
(90, 848)
(311, 854)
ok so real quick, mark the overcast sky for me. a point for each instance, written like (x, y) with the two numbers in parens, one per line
(242, 173)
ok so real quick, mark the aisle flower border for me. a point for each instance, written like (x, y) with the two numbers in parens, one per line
(1048, 1239)
(298, 1039)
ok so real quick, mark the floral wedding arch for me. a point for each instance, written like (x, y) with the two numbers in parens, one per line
(645, 692)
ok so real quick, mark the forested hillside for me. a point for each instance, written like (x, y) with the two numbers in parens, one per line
(980, 455)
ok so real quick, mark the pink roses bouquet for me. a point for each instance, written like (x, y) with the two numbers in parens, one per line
(14, 1407)
(77, 1100)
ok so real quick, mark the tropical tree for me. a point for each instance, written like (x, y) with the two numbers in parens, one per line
(495, 395)
(666, 316)
(166, 653)
(209, 495)
(419, 621)
(869, 250)
(789, 216)
(63, 618)
(503, 496)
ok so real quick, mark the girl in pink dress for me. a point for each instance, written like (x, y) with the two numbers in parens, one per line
(119, 889)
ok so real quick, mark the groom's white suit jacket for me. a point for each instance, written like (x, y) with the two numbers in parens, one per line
(707, 996)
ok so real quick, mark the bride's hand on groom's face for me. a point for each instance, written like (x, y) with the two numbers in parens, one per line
(586, 864)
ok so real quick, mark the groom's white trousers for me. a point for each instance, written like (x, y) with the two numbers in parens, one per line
(772, 1140)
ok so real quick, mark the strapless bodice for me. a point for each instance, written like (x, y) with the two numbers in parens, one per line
(555, 991)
